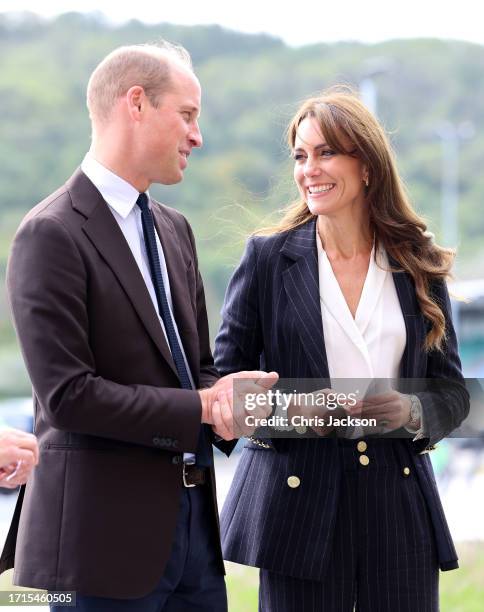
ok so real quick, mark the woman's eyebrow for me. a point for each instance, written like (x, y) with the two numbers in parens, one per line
(319, 146)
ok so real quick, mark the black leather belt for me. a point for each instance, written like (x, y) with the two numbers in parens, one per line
(193, 476)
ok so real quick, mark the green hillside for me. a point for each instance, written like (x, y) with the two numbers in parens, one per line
(251, 86)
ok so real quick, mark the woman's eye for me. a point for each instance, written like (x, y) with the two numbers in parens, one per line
(322, 153)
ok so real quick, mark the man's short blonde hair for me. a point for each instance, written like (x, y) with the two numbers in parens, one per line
(148, 66)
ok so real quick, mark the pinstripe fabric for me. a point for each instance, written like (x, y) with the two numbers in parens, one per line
(272, 320)
(383, 556)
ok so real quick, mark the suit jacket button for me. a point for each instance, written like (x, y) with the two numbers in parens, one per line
(176, 460)
(362, 446)
(406, 471)
(364, 460)
(293, 482)
(156, 441)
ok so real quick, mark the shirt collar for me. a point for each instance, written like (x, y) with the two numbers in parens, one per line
(117, 192)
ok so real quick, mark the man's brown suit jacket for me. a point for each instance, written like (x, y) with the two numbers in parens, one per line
(99, 512)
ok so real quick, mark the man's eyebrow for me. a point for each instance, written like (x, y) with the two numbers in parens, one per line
(192, 109)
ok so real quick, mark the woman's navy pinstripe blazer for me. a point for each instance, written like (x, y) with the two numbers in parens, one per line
(272, 321)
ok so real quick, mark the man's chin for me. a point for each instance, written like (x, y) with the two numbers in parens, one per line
(172, 179)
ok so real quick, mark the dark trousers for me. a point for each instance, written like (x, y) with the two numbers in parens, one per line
(192, 581)
(384, 557)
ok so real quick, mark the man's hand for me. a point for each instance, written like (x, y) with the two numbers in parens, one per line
(19, 453)
(222, 404)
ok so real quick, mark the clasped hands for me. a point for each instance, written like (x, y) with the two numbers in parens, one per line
(223, 405)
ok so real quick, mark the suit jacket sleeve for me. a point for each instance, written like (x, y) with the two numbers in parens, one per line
(48, 287)
(239, 343)
(445, 403)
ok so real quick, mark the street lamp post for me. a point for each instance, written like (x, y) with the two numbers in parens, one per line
(372, 68)
(451, 136)
(369, 94)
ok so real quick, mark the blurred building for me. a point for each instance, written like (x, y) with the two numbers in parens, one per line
(470, 324)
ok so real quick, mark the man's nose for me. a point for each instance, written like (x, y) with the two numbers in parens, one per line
(195, 136)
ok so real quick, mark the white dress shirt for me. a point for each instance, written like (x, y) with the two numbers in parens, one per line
(370, 345)
(121, 197)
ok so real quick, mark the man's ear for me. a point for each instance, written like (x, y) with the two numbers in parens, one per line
(136, 101)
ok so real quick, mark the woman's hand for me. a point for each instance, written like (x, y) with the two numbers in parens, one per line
(391, 410)
(309, 407)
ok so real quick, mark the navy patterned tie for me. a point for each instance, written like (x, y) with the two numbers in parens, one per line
(203, 454)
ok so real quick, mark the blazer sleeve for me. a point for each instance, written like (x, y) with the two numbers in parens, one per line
(239, 342)
(445, 402)
(48, 285)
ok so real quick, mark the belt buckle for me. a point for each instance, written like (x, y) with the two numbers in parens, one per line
(185, 483)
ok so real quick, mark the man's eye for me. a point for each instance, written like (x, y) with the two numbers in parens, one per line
(187, 116)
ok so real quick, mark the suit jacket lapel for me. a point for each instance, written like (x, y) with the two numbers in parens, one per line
(105, 234)
(301, 284)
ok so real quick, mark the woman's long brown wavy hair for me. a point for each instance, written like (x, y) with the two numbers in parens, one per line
(395, 224)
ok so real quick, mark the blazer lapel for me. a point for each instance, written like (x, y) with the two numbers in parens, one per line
(301, 284)
(104, 233)
(412, 365)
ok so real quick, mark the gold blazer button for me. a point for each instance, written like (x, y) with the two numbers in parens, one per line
(362, 446)
(301, 429)
(293, 482)
(406, 471)
(364, 460)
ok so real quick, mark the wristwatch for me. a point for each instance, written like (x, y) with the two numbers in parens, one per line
(415, 412)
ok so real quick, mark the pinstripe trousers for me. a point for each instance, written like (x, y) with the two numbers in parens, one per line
(384, 557)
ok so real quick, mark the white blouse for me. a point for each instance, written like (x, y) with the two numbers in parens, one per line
(372, 344)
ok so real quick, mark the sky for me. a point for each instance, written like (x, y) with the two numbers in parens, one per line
(297, 23)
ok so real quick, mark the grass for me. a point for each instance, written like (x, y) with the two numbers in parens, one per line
(460, 591)
(463, 589)
(242, 587)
